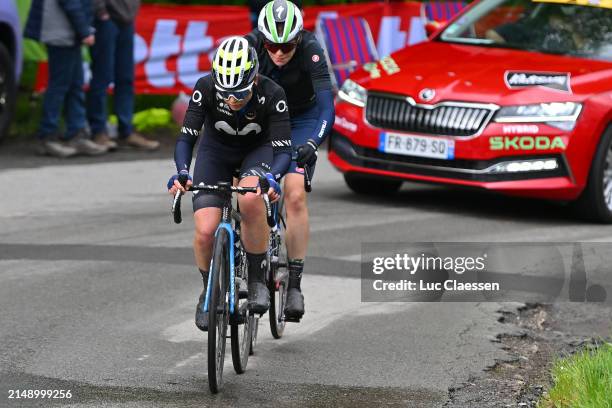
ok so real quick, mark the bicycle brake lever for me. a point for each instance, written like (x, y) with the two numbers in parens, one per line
(176, 207)
(269, 216)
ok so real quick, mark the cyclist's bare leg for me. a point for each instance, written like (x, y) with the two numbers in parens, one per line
(297, 242)
(206, 222)
(255, 235)
(297, 216)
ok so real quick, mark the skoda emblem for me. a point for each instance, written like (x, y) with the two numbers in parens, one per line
(427, 94)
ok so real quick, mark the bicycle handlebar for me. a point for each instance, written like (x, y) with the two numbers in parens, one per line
(224, 188)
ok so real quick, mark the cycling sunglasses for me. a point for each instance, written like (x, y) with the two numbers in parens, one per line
(286, 48)
(239, 95)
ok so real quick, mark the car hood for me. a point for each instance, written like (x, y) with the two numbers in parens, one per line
(482, 74)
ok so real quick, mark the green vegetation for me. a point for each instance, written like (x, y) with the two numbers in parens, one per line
(583, 380)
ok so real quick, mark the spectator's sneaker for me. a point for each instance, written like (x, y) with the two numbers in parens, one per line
(56, 148)
(138, 141)
(84, 145)
(103, 139)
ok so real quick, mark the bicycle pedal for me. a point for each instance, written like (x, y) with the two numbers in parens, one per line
(237, 318)
(292, 319)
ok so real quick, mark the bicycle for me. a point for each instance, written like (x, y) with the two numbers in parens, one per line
(228, 269)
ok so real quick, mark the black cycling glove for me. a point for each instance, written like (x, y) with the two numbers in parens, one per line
(307, 153)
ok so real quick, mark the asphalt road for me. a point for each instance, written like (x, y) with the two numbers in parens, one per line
(98, 291)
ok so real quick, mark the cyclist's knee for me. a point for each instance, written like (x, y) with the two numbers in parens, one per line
(295, 199)
(206, 221)
(204, 237)
(251, 207)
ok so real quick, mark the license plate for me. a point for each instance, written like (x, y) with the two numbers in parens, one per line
(420, 146)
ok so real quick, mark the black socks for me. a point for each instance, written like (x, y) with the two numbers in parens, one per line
(257, 266)
(204, 276)
(296, 266)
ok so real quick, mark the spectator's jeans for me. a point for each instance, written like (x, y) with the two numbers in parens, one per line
(64, 90)
(112, 60)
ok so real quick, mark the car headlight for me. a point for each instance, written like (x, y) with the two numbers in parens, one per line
(562, 115)
(352, 92)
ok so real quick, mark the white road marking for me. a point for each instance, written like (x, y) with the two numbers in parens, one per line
(323, 307)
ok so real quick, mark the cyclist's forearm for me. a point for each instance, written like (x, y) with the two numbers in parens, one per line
(327, 115)
(280, 164)
(183, 152)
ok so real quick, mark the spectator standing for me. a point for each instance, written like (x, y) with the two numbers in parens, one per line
(63, 26)
(113, 61)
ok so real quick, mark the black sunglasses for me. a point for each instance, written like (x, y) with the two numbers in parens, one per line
(286, 48)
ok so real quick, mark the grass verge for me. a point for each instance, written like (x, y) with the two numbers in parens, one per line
(583, 380)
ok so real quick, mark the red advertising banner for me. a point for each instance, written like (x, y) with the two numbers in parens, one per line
(174, 44)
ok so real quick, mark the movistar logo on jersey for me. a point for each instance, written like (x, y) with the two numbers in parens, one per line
(251, 127)
(525, 143)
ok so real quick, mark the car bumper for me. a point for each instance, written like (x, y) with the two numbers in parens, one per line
(557, 184)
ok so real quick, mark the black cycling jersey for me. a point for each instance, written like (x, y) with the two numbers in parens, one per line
(264, 119)
(304, 75)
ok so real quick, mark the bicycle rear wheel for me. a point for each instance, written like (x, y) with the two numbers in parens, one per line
(218, 311)
(278, 277)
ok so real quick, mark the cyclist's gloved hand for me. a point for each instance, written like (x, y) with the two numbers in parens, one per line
(273, 183)
(269, 185)
(179, 182)
(307, 153)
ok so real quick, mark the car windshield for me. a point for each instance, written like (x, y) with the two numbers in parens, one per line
(549, 26)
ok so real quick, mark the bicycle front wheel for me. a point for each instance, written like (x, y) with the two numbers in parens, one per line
(218, 311)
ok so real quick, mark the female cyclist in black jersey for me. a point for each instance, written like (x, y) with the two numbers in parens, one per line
(242, 114)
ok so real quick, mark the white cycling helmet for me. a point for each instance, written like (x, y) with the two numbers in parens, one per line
(280, 15)
(235, 65)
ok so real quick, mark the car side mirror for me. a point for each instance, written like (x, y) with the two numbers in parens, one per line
(433, 27)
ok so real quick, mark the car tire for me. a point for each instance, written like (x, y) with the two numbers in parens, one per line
(8, 90)
(361, 184)
(593, 203)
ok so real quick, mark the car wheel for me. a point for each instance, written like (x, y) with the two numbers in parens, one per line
(595, 202)
(361, 184)
(8, 89)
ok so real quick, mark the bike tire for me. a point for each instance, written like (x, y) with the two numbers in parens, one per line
(218, 311)
(241, 334)
(278, 281)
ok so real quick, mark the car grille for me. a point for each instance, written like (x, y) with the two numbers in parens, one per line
(449, 119)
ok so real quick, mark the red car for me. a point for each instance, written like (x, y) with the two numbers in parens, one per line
(513, 96)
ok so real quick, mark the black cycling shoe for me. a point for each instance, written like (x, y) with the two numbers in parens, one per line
(294, 309)
(201, 317)
(259, 297)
